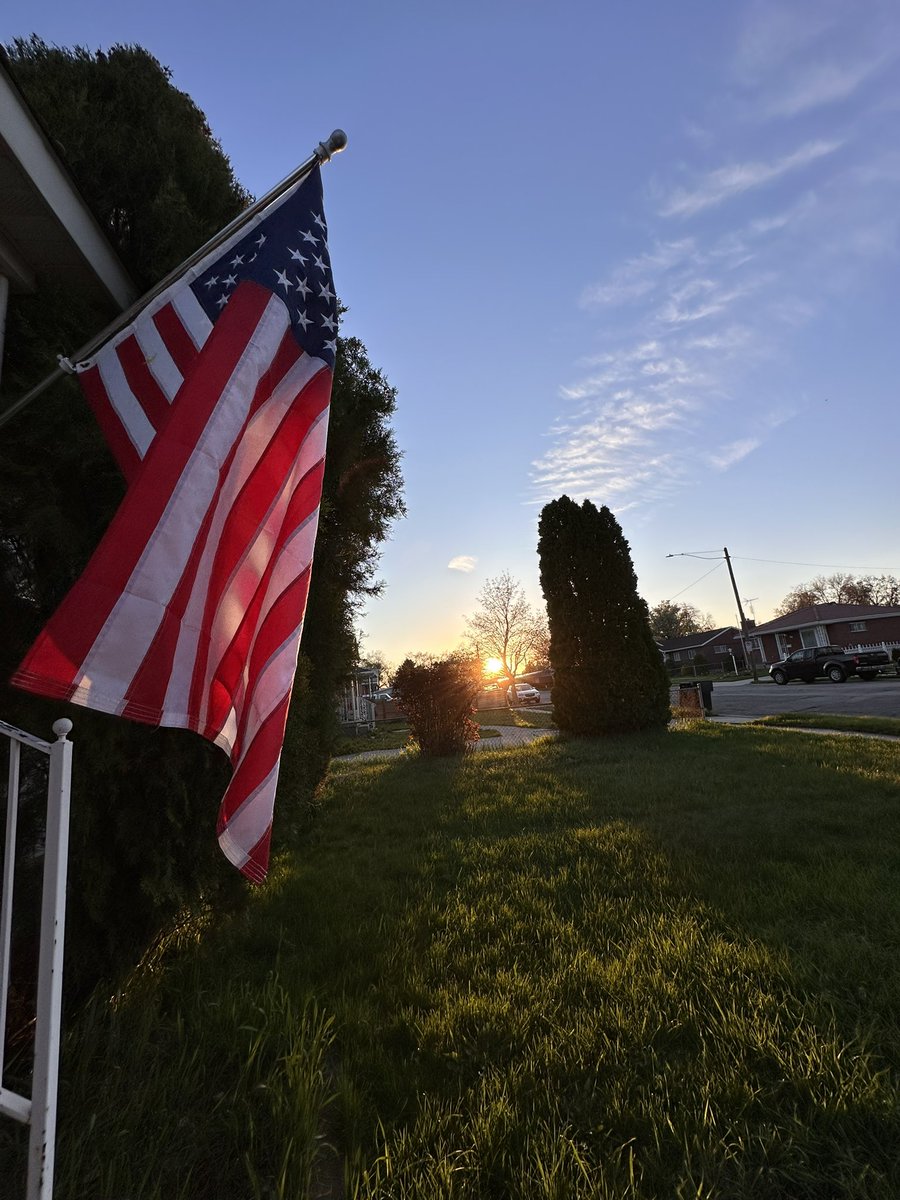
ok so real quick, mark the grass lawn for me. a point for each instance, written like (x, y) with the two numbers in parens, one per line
(651, 968)
(888, 725)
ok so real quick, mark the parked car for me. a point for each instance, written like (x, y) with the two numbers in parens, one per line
(524, 694)
(831, 662)
(384, 694)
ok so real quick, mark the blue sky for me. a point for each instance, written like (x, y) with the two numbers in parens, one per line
(643, 253)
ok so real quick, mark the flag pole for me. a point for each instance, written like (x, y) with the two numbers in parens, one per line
(322, 153)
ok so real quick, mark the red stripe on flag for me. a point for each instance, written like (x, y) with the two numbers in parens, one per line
(226, 679)
(227, 689)
(257, 762)
(284, 616)
(282, 622)
(178, 341)
(109, 421)
(151, 681)
(63, 645)
(251, 508)
(142, 381)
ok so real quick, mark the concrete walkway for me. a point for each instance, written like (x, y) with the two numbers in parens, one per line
(510, 735)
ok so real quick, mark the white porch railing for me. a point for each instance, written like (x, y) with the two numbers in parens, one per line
(39, 1111)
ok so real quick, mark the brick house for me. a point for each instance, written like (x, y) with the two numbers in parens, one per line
(722, 649)
(851, 626)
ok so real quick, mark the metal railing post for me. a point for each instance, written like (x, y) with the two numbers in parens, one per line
(45, 1084)
(9, 867)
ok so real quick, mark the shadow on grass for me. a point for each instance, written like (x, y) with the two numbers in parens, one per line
(665, 965)
(622, 968)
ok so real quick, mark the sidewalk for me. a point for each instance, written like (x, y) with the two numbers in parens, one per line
(510, 735)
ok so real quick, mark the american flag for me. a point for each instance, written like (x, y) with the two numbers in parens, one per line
(215, 403)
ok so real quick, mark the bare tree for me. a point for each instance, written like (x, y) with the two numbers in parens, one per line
(668, 620)
(506, 626)
(841, 588)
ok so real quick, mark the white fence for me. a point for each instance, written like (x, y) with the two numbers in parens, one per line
(38, 1110)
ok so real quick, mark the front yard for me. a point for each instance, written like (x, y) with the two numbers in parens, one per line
(643, 968)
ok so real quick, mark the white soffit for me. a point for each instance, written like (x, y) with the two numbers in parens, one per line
(45, 227)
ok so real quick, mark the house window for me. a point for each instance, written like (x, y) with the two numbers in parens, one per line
(813, 635)
(676, 656)
(721, 650)
(857, 626)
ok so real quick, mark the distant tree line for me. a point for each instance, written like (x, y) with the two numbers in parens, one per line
(145, 800)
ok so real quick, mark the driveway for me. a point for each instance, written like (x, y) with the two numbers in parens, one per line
(745, 699)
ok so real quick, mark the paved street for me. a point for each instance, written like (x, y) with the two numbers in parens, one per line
(745, 699)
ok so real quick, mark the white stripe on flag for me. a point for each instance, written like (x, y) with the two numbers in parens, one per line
(242, 585)
(124, 403)
(258, 436)
(251, 820)
(296, 556)
(159, 361)
(131, 626)
(191, 314)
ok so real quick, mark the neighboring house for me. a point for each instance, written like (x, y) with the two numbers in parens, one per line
(48, 235)
(353, 706)
(723, 649)
(850, 626)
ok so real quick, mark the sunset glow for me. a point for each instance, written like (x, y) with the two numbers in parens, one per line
(492, 665)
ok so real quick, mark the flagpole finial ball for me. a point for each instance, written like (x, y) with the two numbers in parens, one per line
(334, 144)
(62, 727)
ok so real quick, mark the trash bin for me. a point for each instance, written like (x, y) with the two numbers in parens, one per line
(697, 695)
(690, 699)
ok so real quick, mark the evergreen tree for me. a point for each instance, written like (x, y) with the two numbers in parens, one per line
(145, 800)
(608, 672)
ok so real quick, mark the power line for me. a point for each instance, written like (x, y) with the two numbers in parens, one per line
(781, 562)
(833, 566)
(696, 581)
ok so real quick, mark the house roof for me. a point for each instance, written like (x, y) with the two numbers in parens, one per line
(828, 614)
(696, 640)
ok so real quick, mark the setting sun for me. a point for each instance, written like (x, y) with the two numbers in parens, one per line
(492, 665)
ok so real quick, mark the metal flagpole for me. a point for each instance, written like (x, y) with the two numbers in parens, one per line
(322, 153)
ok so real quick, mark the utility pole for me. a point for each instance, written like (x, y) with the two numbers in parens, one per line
(737, 601)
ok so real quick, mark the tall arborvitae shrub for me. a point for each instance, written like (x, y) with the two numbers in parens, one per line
(438, 698)
(608, 672)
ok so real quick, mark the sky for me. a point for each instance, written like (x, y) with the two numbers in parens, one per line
(644, 254)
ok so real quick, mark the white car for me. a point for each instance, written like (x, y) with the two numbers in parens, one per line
(524, 694)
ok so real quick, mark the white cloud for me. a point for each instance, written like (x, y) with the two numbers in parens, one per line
(727, 456)
(641, 275)
(822, 83)
(462, 562)
(724, 182)
(775, 31)
(732, 338)
(696, 371)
